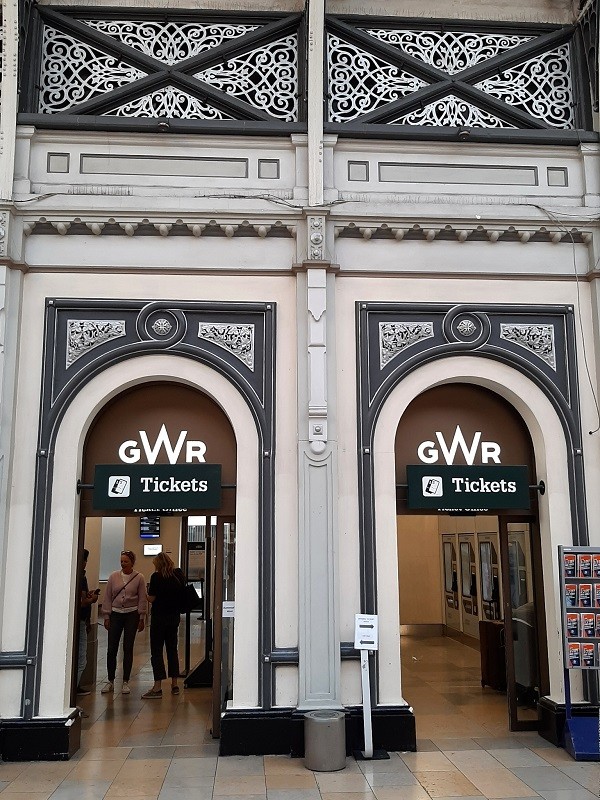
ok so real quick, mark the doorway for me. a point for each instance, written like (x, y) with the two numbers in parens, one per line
(169, 424)
(473, 575)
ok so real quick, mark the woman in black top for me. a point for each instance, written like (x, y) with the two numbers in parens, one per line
(165, 593)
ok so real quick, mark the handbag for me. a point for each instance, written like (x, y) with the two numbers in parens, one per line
(189, 597)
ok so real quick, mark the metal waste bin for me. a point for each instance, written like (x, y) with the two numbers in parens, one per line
(325, 740)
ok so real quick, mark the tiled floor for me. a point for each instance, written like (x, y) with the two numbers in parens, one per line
(163, 750)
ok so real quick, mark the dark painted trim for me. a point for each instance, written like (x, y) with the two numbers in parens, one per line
(41, 739)
(426, 133)
(281, 731)
(371, 399)
(57, 394)
(138, 125)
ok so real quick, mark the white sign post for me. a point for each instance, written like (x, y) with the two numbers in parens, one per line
(366, 638)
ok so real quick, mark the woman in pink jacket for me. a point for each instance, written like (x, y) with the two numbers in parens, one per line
(124, 609)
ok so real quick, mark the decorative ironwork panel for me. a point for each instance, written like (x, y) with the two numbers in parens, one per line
(541, 86)
(266, 78)
(169, 42)
(396, 337)
(449, 51)
(73, 71)
(168, 102)
(85, 335)
(360, 82)
(538, 339)
(236, 339)
(452, 111)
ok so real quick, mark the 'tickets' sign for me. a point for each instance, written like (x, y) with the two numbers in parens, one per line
(160, 487)
(460, 488)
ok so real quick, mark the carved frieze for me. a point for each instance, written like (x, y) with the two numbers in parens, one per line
(85, 335)
(237, 339)
(395, 337)
(538, 339)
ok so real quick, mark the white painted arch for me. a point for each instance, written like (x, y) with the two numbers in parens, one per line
(64, 520)
(550, 450)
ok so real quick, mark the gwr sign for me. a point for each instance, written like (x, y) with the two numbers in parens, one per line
(130, 451)
(429, 452)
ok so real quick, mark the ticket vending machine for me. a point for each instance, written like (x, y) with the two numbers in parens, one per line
(468, 585)
(489, 574)
(451, 600)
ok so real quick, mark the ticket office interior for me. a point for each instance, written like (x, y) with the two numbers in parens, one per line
(459, 577)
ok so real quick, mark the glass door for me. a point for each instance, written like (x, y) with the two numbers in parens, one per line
(223, 619)
(524, 622)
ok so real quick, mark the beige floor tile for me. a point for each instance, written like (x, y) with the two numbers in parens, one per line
(8, 772)
(401, 793)
(291, 781)
(8, 794)
(342, 782)
(240, 785)
(100, 770)
(284, 765)
(499, 782)
(472, 759)
(447, 784)
(107, 754)
(425, 762)
(347, 796)
(554, 755)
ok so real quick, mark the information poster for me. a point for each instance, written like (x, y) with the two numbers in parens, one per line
(580, 592)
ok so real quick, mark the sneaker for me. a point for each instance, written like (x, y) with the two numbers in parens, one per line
(125, 689)
(108, 687)
(81, 692)
(152, 694)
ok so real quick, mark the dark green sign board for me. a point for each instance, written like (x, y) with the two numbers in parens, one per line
(461, 488)
(162, 487)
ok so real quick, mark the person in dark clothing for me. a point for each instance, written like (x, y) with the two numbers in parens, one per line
(86, 600)
(165, 592)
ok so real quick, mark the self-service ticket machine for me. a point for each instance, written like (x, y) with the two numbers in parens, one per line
(468, 585)
(489, 573)
(451, 600)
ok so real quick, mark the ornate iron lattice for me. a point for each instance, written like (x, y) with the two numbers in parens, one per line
(169, 102)
(452, 111)
(266, 78)
(541, 86)
(588, 26)
(360, 82)
(169, 42)
(390, 76)
(73, 72)
(179, 69)
(449, 51)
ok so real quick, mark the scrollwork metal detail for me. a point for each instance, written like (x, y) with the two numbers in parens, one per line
(237, 339)
(538, 339)
(395, 337)
(454, 112)
(265, 78)
(73, 72)
(171, 103)
(449, 51)
(84, 335)
(169, 42)
(541, 86)
(359, 82)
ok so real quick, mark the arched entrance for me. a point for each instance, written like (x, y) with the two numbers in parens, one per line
(178, 436)
(469, 554)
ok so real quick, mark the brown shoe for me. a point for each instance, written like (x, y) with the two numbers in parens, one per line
(174, 689)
